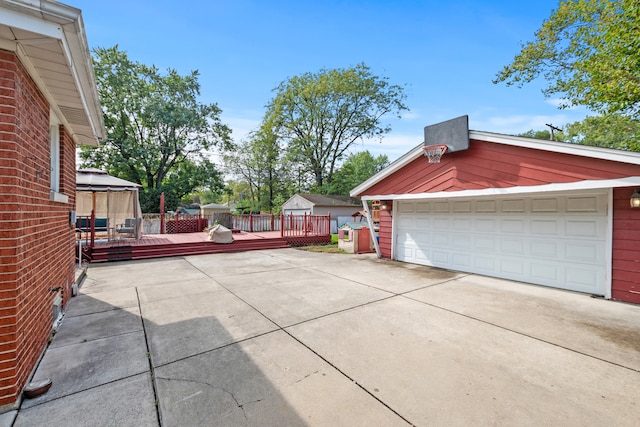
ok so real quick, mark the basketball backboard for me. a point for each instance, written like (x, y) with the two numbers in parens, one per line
(453, 133)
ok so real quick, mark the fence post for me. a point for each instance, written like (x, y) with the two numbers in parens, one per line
(251, 222)
(281, 224)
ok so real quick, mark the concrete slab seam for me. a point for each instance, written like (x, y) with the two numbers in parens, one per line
(319, 355)
(522, 334)
(151, 370)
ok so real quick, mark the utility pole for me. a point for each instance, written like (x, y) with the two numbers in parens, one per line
(553, 128)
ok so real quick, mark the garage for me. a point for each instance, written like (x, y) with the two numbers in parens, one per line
(557, 240)
(536, 211)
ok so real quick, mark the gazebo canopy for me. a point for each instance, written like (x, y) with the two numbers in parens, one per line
(99, 180)
(109, 197)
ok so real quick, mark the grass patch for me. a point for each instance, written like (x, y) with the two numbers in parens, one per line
(331, 248)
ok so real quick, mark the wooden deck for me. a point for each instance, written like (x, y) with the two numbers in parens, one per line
(165, 245)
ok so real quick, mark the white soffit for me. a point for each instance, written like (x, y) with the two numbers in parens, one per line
(49, 39)
(632, 181)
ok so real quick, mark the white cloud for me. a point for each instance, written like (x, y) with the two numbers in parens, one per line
(241, 127)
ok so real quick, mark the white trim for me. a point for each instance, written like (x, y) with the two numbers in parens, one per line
(558, 147)
(392, 168)
(30, 23)
(393, 230)
(372, 232)
(631, 181)
(609, 246)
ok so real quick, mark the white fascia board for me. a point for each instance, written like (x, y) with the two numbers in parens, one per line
(392, 168)
(631, 181)
(621, 156)
(30, 23)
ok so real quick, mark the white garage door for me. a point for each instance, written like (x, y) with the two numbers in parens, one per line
(557, 241)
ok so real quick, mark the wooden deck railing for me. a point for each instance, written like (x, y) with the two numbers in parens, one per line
(305, 229)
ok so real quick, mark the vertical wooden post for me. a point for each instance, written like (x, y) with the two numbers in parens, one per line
(93, 227)
(162, 213)
(251, 222)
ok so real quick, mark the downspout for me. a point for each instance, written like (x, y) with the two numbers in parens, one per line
(365, 205)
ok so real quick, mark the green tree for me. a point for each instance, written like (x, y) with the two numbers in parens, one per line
(356, 169)
(588, 51)
(320, 115)
(608, 131)
(537, 134)
(157, 130)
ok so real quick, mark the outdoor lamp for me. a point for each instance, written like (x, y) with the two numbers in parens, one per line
(635, 200)
(385, 205)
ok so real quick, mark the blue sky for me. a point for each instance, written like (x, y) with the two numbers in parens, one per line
(446, 53)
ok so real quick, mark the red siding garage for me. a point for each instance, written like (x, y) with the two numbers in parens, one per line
(542, 212)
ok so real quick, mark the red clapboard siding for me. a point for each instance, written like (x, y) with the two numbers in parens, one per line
(625, 274)
(491, 165)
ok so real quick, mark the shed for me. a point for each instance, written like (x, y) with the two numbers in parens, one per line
(213, 208)
(355, 238)
(536, 211)
(341, 208)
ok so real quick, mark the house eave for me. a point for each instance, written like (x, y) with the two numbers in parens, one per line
(49, 39)
(585, 185)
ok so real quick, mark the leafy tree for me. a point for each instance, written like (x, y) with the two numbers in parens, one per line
(158, 132)
(320, 115)
(608, 131)
(356, 169)
(589, 53)
(537, 134)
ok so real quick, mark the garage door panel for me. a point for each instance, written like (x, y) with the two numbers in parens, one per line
(549, 227)
(545, 249)
(510, 246)
(485, 243)
(513, 226)
(485, 265)
(486, 225)
(583, 228)
(553, 241)
(585, 279)
(545, 272)
(461, 260)
(512, 269)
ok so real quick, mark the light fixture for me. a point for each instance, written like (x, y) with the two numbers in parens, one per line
(635, 199)
(385, 206)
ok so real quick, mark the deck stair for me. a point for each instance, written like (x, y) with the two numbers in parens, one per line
(131, 252)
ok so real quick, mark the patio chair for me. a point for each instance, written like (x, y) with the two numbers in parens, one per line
(129, 227)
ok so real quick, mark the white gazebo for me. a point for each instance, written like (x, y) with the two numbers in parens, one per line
(109, 197)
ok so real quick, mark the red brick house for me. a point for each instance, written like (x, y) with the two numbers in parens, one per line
(48, 105)
(535, 211)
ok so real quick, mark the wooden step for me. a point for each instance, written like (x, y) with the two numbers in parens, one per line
(130, 252)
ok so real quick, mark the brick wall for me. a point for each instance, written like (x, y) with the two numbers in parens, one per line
(36, 241)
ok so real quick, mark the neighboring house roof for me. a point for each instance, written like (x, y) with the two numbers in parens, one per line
(47, 32)
(353, 225)
(98, 180)
(214, 206)
(304, 200)
(604, 154)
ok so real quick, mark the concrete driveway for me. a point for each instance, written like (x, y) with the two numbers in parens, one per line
(286, 337)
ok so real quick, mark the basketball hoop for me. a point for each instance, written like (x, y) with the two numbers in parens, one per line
(434, 152)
